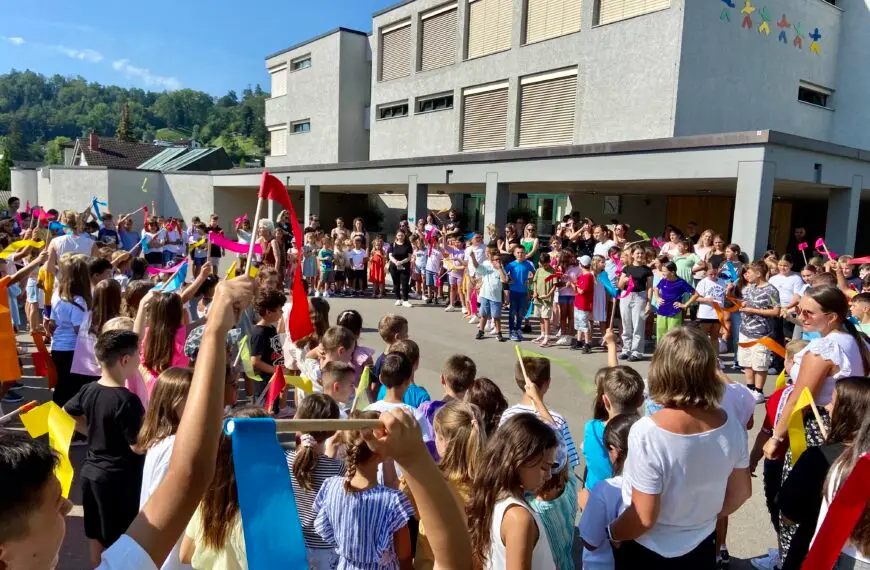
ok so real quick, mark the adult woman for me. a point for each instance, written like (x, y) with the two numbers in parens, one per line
(359, 231)
(841, 351)
(265, 239)
(635, 307)
(530, 244)
(687, 464)
(283, 222)
(620, 235)
(716, 256)
(671, 248)
(74, 242)
(401, 255)
(280, 249)
(510, 239)
(155, 239)
(703, 249)
(603, 243)
(339, 232)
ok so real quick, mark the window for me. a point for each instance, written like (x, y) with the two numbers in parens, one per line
(278, 140)
(490, 24)
(547, 108)
(615, 10)
(396, 51)
(303, 62)
(393, 110)
(303, 126)
(484, 117)
(279, 80)
(439, 28)
(434, 103)
(547, 19)
(814, 94)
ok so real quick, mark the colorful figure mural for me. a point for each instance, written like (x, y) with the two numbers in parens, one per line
(726, 13)
(799, 36)
(815, 36)
(783, 25)
(764, 28)
(747, 11)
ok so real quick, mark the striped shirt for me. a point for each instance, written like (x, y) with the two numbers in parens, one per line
(558, 517)
(562, 429)
(326, 467)
(360, 525)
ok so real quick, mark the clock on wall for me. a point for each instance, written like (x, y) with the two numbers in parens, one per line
(611, 204)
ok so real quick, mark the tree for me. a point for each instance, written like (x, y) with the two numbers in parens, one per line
(54, 150)
(5, 168)
(122, 133)
(149, 134)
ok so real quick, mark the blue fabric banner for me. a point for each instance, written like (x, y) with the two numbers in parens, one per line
(608, 285)
(270, 520)
(176, 282)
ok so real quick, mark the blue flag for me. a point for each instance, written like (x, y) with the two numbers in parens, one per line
(608, 286)
(175, 282)
(97, 205)
(270, 519)
(730, 271)
(144, 243)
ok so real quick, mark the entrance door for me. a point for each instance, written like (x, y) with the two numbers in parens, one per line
(709, 212)
(780, 226)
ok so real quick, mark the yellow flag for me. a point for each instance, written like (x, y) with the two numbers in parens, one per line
(797, 435)
(51, 419)
(364, 381)
(231, 272)
(21, 244)
(780, 380)
(572, 370)
(304, 384)
(245, 357)
(200, 243)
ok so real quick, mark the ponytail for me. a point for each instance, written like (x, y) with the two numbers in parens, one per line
(862, 341)
(313, 407)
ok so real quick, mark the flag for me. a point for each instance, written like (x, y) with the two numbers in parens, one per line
(642, 235)
(43, 365)
(10, 370)
(304, 384)
(19, 245)
(144, 244)
(176, 282)
(245, 358)
(797, 435)
(608, 285)
(51, 419)
(276, 387)
(299, 323)
(273, 189)
(780, 380)
(197, 245)
(96, 203)
(364, 382)
(231, 272)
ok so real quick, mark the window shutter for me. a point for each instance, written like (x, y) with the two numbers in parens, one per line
(547, 111)
(396, 53)
(552, 18)
(279, 82)
(278, 141)
(439, 40)
(484, 120)
(490, 23)
(615, 10)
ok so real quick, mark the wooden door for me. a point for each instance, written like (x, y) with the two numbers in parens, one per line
(780, 226)
(709, 212)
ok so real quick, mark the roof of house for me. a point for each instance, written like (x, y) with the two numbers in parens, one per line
(317, 37)
(118, 154)
(182, 158)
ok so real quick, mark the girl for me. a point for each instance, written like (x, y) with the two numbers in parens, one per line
(133, 296)
(106, 306)
(35, 296)
(68, 311)
(455, 262)
(377, 263)
(361, 356)
(488, 397)
(342, 267)
(668, 294)
(789, 286)
(309, 468)
(366, 523)
(635, 306)
(716, 256)
(556, 504)
(162, 343)
(459, 440)
(687, 261)
(710, 290)
(74, 242)
(157, 436)
(674, 237)
(214, 538)
(703, 249)
(605, 499)
(599, 300)
(419, 265)
(502, 525)
(155, 238)
(121, 261)
(570, 271)
(358, 258)
(309, 262)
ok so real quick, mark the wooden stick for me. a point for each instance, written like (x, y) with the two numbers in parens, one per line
(818, 419)
(804, 253)
(305, 426)
(250, 259)
(18, 411)
(613, 311)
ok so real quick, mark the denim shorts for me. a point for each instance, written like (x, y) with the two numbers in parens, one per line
(566, 300)
(489, 308)
(32, 292)
(430, 278)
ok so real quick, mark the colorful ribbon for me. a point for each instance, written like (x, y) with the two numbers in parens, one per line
(49, 418)
(19, 245)
(608, 285)
(270, 519)
(731, 271)
(629, 288)
(96, 203)
(767, 343)
(364, 382)
(177, 280)
(721, 311)
(42, 363)
(230, 245)
(797, 435)
(197, 244)
(642, 234)
(158, 270)
(238, 221)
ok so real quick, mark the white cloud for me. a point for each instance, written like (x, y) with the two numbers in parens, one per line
(145, 75)
(82, 54)
(14, 40)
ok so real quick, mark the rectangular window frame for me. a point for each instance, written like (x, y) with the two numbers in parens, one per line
(299, 63)
(391, 28)
(300, 123)
(273, 71)
(815, 95)
(422, 36)
(432, 101)
(275, 128)
(467, 51)
(395, 110)
(534, 40)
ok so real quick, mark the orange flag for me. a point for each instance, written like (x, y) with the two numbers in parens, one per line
(767, 343)
(10, 370)
(43, 365)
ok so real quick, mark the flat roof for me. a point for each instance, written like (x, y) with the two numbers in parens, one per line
(318, 37)
(392, 7)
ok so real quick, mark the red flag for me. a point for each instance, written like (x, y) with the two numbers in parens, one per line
(276, 387)
(845, 511)
(273, 189)
(27, 207)
(145, 216)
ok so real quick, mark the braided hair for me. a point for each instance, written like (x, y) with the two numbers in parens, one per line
(356, 449)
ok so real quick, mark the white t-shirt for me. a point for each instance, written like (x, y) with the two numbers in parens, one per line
(479, 252)
(433, 262)
(849, 548)
(126, 554)
(738, 402)
(82, 243)
(356, 257)
(156, 466)
(788, 286)
(159, 235)
(714, 290)
(603, 247)
(177, 249)
(66, 316)
(690, 472)
(542, 556)
(603, 507)
(382, 406)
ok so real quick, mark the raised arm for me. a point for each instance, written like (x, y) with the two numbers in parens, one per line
(22, 273)
(189, 292)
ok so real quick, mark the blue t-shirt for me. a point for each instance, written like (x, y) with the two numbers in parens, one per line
(325, 256)
(414, 395)
(129, 239)
(519, 275)
(598, 465)
(671, 292)
(107, 237)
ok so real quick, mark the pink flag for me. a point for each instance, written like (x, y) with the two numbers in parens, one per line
(802, 246)
(820, 244)
(158, 271)
(629, 288)
(234, 246)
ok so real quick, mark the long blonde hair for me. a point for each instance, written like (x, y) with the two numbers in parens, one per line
(460, 425)
(163, 416)
(75, 280)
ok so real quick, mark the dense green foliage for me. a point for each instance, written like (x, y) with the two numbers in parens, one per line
(36, 111)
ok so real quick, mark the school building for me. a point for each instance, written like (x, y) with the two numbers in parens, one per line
(745, 116)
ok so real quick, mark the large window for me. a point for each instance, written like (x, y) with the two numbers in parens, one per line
(393, 110)
(615, 10)
(551, 18)
(279, 80)
(278, 140)
(303, 62)
(814, 94)
(439, 28)
(396, 51)
(547, 104)
(434, 103)
(484, 117)
(303, 126)
(490, 23)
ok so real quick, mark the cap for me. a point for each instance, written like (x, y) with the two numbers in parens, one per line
(585, 261)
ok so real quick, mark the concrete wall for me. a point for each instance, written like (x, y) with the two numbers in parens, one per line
(355, 76)
(735, 79)
(25, 185)
(189, 195)
(72, 188)
(627, 77)
(125, 193)
(394, 206)
(648, 213)
(851, 124)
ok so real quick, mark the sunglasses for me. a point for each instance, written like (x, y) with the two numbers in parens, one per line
(805, 313)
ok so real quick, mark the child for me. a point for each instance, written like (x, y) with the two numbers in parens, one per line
(35, 304)
(456, 264)
(337, 379)
(516, 460)
(419, 265)
(157, 437)
(686, 261)
(309, 262)
(110, 416)
(309, 469)
(538, 371)
(397, 372)
(457, 376)
(668, 295)
(570, 271)
(491, 290)
(392, 328)
(264, 340)
(520, 272)
(199, 254)
(489, 399)
(415, 396)
(860, 309)
(545, 284)
(107, 236)
(68, 311)
(434, 259)
(605, 498)
(341, 266)
(364, 522)
(556, 505)
(164, 335)
(358, 260)
(45, 283)
(362, 355)
(326, 258)
(121, 261)
(599, 298)
(336, 345)
(584, 298)
(760, 307)
(710, 290)
(377, 265)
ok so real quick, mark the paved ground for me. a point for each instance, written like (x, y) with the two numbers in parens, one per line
(441, 334)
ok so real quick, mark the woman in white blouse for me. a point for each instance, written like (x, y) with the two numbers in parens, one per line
(74, 241)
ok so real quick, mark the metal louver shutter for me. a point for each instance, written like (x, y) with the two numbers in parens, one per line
(489, 27)
(396, 53)
(615, 10)
(439, 41)
(547, 112)
(279, 82)
(278, 142)
(484, 120)
(552, 18)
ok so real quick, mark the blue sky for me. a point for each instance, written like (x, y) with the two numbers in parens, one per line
(167, 44)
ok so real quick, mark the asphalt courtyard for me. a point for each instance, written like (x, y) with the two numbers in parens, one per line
(440, 335)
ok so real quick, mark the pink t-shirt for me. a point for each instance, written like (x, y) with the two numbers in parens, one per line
(570, 275)
(178, 357)
(361, 355)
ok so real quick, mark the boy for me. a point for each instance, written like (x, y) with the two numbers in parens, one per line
(336, 345)
(434, 261)
(392, 329)
(264, 340)
(585, 291)
(538, 371)
(520, 270)
(489, 298)
(396, 374)
(325, 257)
(457, 376)
(100, 269)
(545, 285)
(110, 416)
(108, 235)
(760, 306)
(860, 309)
(853, 281)
(415, 395)
(337, 380)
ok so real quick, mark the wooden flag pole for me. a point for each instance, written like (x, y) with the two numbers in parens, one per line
(18, 411)
(613, 311)
(253, 235)
(306, 426)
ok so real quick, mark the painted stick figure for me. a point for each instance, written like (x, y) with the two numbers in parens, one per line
(815, 36)
(747, 11)
(764, 28)
(729, 3)
(783, 25)
(799, 36)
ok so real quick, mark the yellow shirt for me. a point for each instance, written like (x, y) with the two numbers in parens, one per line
(231, 557)
(424, 559)
(47, 282)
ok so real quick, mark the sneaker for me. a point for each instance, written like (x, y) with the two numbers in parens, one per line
(587, 349)
(520, 337)
(407, 305)
(564, 341)
(479, 335)
(527, 328)
(515, 337)
(634, 357)
(473, 320)
(13, 397)
(450, 309)
(501, 337)
(575, 344)
(398, 303)
(758, 396)
(768, 562)
(464, 311)
(490, 327)
(425, 298)
(724, 559)
(624, 355)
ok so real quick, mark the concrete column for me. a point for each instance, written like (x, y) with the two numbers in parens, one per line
(271, 210)
(312, 201)
(418, 198)
(497, 201)
(752, 206)
(843, 205)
